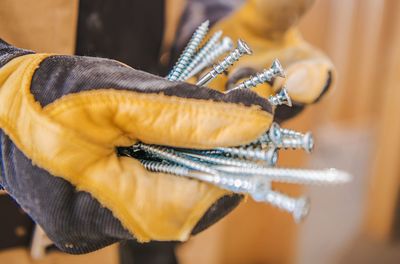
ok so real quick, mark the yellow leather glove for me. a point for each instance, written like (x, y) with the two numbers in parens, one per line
(269, 27)
(61, 119)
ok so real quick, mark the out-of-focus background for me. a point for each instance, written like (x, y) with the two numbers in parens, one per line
(357, 128)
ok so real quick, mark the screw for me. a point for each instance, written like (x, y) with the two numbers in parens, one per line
(221, 48)
(235, 55)
(291, 133)
(296, 176)
(171, 155)
(222, 160)
(268, 75)
(305, 142)
(270, 156)
(200, 55)
(229, 182)
(189, 51)
(156, 166)
(298, 207)
(281, 98)
(285, 138)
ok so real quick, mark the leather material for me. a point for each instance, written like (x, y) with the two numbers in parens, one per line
(125, 105)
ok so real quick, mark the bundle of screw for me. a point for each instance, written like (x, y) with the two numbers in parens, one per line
(247, 169)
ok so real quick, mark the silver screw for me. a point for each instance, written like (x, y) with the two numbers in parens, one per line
(171, 155)
(291, 133)
(235, 55)
(224, 46)
(222, 160)
(298, 207)
(156, 166)
(305, 142)
(200, 55)
(229, 182)
(259, 188)
(266, 76)
(281, 98)
(221, 48)
(296, 176)
(270, 156)
(189, 51)
(234, 184)
(285, 138)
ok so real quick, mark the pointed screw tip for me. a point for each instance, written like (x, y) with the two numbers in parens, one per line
(340, 176)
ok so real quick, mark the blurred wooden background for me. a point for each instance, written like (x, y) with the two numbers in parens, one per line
(363, 39)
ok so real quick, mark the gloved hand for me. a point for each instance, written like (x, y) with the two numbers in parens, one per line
(269, 27)
(62, 118)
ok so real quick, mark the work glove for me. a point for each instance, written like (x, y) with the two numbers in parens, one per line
(270, 29)
(61, 120)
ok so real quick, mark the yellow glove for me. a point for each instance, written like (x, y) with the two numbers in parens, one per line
(62, 118)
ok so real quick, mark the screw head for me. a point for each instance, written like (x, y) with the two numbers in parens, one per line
(278, 69)
(244, 48)
(301, 209)
(284, 97)
(308, 142)
(271, 156)
(275, 134)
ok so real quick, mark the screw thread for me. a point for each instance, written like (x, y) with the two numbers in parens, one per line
(172, 156)
(293, 143)
(219, 49)
(200, 55)
(297, 176)
(254, 153)
(262, 77)
(165, 168)
(224, 65)
(291, 133)
(189, 51)
(221, 160)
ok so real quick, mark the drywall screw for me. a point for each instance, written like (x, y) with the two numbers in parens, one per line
(222, 160)
(157, 166)
(305, 142)
(189, 51)
(268, 75)
(200, 55)
(296, 176)
(280, 98)
(172, 156)
(257, 187)
(235, 55)
(232, 183)
(291, 133)
(270, 156)
(298, 207)
(219, 49)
